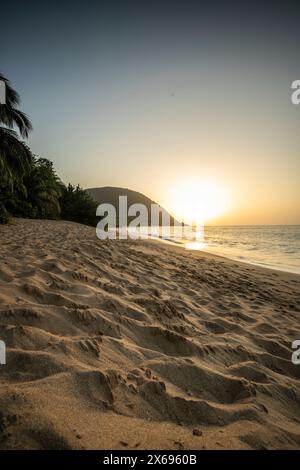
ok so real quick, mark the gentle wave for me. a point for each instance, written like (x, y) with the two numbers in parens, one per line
(272, 246)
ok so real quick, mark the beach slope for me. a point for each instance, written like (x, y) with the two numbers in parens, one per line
(142, 345)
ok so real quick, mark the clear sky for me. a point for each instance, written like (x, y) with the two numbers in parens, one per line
(150, 95)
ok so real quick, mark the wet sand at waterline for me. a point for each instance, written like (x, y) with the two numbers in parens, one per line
(142, 345)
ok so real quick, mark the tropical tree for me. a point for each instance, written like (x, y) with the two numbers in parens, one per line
(77, 205)
(29, 186)
(43, 189)
(15, 156)
(10, 116)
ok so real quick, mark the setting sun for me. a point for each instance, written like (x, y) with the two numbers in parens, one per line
(198, 201)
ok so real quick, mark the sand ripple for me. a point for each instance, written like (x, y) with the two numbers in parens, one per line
(134, 344)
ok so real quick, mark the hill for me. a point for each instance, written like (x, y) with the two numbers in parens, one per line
(110, 195)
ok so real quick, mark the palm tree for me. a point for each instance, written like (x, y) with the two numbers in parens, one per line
(15, 156)
(44, 188)
(10, 116)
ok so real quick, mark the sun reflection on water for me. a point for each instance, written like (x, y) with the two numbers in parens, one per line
(195, 245)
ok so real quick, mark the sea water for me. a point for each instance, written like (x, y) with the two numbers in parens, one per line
(272, 246)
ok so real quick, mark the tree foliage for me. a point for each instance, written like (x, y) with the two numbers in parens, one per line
(15, 156)
(77, 205)
(29, 185)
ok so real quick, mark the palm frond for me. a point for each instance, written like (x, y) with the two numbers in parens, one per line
(12, 96)
(10, 116)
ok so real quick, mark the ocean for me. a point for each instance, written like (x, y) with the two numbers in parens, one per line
(271, 246)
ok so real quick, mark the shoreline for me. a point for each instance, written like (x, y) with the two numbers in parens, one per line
(258, 264)
(232, 258)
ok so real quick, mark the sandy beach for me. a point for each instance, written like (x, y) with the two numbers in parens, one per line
(142, 345)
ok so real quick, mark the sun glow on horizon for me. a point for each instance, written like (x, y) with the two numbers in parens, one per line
(198, 201)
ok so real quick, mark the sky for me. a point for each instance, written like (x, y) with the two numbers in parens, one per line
(155, 96)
